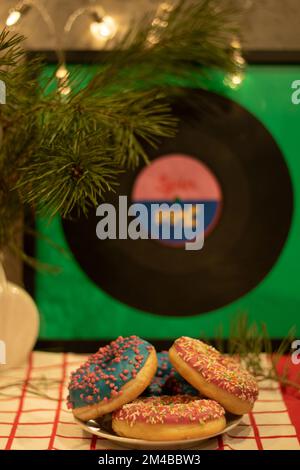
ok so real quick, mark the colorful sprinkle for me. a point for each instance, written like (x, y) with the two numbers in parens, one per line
(221, 370)
(179, 409)
(104, 373)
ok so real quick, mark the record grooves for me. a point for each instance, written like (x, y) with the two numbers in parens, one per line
(257, 207)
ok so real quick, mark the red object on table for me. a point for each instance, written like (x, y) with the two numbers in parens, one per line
(290, 395)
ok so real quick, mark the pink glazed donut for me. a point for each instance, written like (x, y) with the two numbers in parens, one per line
(215, 375)
(169, 418)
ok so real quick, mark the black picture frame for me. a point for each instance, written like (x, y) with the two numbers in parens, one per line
(253, 57)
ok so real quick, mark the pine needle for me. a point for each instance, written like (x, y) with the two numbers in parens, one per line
(61, 154)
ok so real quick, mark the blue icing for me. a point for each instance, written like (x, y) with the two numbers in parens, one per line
(96, 381)
(176, 384)
(164, 369)
(167, 380)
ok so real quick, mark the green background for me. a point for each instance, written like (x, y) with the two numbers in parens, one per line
(72, 307)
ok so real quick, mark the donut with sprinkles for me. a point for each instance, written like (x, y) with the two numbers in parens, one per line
(216, 376)
(169, 418)
(116, 374)
(167, 381)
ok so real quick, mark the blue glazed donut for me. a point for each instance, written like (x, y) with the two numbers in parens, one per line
(108, 378)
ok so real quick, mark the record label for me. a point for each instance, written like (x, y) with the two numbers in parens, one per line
(178, 181)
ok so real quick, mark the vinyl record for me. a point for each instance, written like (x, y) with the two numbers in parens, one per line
(243, 176)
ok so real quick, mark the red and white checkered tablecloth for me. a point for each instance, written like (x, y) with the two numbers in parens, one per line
(28, 421)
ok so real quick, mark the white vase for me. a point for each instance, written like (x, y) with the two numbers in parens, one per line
(19, 324)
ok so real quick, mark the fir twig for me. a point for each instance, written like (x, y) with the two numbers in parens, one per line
(36, 386)
(249, 340)
(63, 153)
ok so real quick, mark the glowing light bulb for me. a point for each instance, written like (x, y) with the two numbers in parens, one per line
(167, 7)
(65, 90)
(234, 80)
(62, 76)
(62, 72)
(160, 23)
(106, 28)
(152, 38)
(235, 44)
(13, 17)
(239, 60)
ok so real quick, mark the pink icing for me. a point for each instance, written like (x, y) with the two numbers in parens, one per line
(218, 369)
(178, 409)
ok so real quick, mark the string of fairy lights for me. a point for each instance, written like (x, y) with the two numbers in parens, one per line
(160, 21)
(104, 27)
(234, 80)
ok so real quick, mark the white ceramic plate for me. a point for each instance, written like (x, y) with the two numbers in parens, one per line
(102, 428)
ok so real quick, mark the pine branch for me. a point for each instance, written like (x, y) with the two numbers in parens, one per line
(197, 36)
(77, 175)
(60, 153)
(10, 49)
